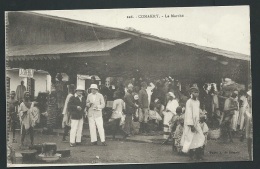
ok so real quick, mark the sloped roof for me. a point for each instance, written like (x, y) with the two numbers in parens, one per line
(225, 53)
(54, 49)
(229, 54)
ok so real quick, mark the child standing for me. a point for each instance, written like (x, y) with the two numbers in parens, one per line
(176, 118)
(175, 122)
(203, 110)
(177, 136)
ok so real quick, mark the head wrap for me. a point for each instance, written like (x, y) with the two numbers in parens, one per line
(130, 86)
(26, 93)
(171, 94)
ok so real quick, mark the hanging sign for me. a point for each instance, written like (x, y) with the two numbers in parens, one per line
(26, 73)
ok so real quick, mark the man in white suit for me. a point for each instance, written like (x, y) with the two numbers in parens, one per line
(76, 107)
(95, 103)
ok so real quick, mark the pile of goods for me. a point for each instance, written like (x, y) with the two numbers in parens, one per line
(230, 86)
(48, 153)
(39, 152)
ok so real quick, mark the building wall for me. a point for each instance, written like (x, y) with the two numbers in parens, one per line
(15, 80)
(42, 81)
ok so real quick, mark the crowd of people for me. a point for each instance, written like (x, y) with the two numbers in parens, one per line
(184, 114)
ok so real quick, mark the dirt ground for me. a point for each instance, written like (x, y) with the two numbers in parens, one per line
(119, 151)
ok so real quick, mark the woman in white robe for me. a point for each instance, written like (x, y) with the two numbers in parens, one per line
(193, 137)
(169, 112)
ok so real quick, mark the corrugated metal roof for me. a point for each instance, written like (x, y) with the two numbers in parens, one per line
(229, 54)
(77, 47)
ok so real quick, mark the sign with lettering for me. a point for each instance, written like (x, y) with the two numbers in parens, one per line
(26, 73)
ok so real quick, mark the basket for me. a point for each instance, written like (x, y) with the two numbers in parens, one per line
(214, 134)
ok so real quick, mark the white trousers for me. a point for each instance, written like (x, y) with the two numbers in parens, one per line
(76, 130)
(93, 124)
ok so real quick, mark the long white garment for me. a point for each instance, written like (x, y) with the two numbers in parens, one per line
(149, 91)
(30, 118)
(171, 107)
(192, 140)
(76, 130)
(93, 123)
(235, 120)
(65, 112)
(243, 108)
(166, 123)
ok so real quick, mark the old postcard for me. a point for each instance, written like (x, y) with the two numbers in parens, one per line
(128, 86)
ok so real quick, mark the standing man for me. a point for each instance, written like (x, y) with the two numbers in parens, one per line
(13, 110)
(192, 138)
(76, 107)
(66, 113)
(95, 103)
(20, 92)
(230, 107)
(144, 103)
(130, 109)
(29, 116)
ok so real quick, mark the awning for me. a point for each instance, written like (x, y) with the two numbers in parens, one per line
(54, 51)
(32, 57)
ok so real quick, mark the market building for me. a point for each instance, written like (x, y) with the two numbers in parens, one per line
(60, 45)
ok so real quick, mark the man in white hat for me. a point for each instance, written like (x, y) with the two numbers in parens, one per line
(144, 105)
(76, 107)
(130, 109)
(95, 102)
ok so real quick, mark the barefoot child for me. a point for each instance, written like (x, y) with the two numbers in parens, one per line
(177, 136)
(175, 122)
